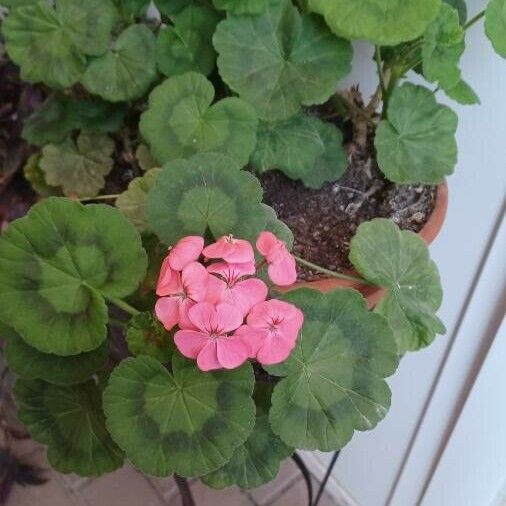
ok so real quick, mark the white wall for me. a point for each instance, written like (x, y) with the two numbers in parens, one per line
(371, 464)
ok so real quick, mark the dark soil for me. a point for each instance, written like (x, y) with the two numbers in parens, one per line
(323, 221)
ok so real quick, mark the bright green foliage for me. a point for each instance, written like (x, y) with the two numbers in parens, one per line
(70, 421)
(277, 227)
(34, 175)
(170, 8)
(186, 45)
(17, 3)
(29, 363)
(181, 121)
(383, 22)
(334, 379)
(132, 201)
(254, 463)
(443, 45)
(56, 266)
(461, 7)
(188, 422)
(132, 7)
(243, 6)
(416, 142)
(206, 192)
(399, 261)
(79, 168)
(303, 147)
(146, 336)
(463, 94)
(50, 44)
(495, 25)
(127, 70)
(280, 60)
(59, 115)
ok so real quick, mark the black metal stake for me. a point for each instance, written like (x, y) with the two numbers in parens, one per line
(323, 484)
(184, 490)
(306, 475)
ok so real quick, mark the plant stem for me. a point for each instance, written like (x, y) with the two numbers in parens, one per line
(381, 75)
(474, 20)
(123, 305)
(117, 323)
(99, 197)
(328, 272)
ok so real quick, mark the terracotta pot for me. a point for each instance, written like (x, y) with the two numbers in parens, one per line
(374, 294)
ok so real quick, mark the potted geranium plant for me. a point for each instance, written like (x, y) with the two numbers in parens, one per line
(169, 325)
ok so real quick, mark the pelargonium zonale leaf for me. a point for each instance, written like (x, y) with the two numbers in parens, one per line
(243, 6)
(58, 264)
(495, 25)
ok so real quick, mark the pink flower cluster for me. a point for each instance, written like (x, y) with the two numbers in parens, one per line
(220, 308)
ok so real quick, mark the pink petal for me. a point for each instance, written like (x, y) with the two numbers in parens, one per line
(231, 272)
(187, 250)
(290, 327)
(283, 273)
(207, 359)
(194, 279)
(274, 350)
(264, 314)
(266, 243)
(203, 316)
(229, 317)
(251, 292)
(168, 279)
(231, 250)
(252, 338)
(167, 311)
(190, 342)
(216, 289)
(184, 321)
(231, 352)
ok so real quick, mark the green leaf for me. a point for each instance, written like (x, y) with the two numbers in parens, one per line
(206, 192)
(495, 25)
(132, 202)
(399, 261)
(144, 158)
(461, 7)
(186, 46)
(132, 7)
(60, 115)
(243, 6)
(69, 419)
(170, 8)
(11, 4)
(254, 463)
(277, 227)
(79, 168)
(280, 60)
(34, 175)
(443, 45)
(50, 44)
(334, 379)
(29, 363)
(127, 70)
(416, 142)
(188, 422)
(146, 336)
(463, 94)
(181, 121)
(56, 266)
(386, 23)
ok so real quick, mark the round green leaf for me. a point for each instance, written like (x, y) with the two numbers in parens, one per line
(243, 6)
(443, 45)
(399, 261)
(132, 7)
(495, 25)
(385, 22)
(79, 168)
(69, 419)
(146, 336)
(186, 45)
(56, 266)
(463, 94)
(29, 363)
(188, 422)
(206, 192)
(181, 121)
(170, 8)
(254, 463)
(127, 70)
(280, 60)
(416, 142)
(49, 43)
(334, 379)
(277, 227)
(34, 175)
(132, 202)
(144, 158)
(461, 7)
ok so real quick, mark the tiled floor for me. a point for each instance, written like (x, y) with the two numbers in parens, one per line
(127, 487)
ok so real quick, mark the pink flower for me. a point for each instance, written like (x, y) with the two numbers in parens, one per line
(230, 286)
(281, 270)
(271, 331)
(210, 342)
(231, 250)
(184, 291)
(186, 251)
